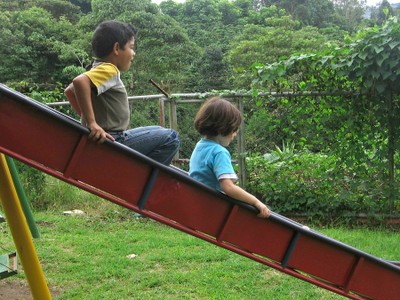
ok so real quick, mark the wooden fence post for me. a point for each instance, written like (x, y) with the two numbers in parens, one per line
(173, 122)
(162, 113)
(241, 148)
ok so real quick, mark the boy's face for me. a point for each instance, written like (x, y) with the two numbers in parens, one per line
(126, 55)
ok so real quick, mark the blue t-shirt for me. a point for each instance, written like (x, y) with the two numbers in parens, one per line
(211, 162)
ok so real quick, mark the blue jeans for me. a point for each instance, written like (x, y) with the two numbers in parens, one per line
(158, 143)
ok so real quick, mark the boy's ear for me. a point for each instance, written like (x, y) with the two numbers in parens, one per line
(116, 48)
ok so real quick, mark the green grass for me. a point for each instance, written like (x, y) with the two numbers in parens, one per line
(85, 257)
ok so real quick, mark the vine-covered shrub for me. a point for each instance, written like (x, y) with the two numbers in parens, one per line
(314, 184)
(364, 123)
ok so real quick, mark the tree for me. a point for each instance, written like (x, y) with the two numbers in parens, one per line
(210, 71)
(172, 9)
(57, 8)
(385, 10)
(85, 5)
(229, 13)
(36, 38)
(319, 13)
(316, 13)
(349, 13)
(164, 51)
(259, 44)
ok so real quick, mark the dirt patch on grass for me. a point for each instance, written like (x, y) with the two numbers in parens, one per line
(18, 289)
(15, 290)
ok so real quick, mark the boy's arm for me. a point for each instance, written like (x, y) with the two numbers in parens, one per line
(82, 86)
(70, 94)
(236, 192)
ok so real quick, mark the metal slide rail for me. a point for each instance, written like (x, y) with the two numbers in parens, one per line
(56, 144)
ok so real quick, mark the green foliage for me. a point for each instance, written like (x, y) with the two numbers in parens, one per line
(278, 42)
(57, 8)
(349, 14)
(210, 45)
(46, 94)
(122, 9)
(59, 195)
(368, 64)
(385, 10)
(175, 39)
(31, 43)
(292, 181)
(211, 69)
(313, 122)
(318, 71)
(370, 61)
(50, 35)
(163, 49)
(88, 255)
(70, 72)
(33, 182)
(373, 59)
(43, 93)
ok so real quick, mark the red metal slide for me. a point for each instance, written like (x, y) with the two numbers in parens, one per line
(56, 144)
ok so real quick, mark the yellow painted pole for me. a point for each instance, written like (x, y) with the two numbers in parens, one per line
(21, 235)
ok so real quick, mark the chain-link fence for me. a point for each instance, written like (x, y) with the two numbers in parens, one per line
(177, 112)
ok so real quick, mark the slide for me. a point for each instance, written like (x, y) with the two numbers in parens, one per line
(58, 145)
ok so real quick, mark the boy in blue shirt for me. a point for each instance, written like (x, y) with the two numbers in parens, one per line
(218, 121)
(100, 98)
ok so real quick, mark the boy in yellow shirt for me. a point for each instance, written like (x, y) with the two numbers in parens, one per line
(100, 98)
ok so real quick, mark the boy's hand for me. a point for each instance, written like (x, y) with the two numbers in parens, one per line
(97, 134)
(264, 210)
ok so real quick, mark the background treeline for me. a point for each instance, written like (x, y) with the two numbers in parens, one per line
(196, 46)
(331, 153)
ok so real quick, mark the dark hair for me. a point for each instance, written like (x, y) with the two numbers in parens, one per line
(108, 33)
(217, 116)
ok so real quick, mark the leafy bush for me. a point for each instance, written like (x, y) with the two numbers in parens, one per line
(315, 184)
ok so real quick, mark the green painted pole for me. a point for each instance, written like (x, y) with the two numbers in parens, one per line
(22, 198)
